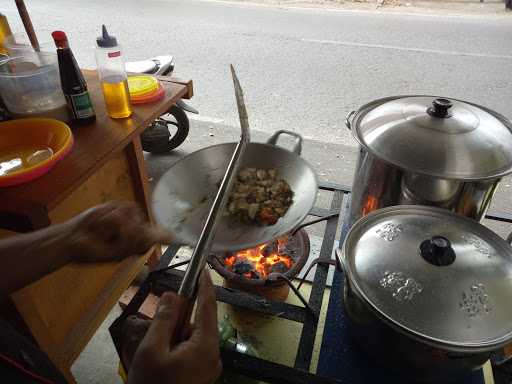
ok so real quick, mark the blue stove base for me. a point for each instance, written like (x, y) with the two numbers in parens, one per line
(341, 359)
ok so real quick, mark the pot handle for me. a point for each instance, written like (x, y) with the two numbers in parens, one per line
(348, 119)
(340, 260)
(297, 148)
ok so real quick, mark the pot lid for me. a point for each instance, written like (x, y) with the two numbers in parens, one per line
(436, 136)
(434, 275)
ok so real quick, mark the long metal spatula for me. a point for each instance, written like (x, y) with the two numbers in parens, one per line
(188, 289)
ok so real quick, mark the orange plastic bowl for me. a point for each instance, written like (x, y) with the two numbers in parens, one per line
(20, 134)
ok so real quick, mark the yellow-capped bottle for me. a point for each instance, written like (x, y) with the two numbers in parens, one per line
(5, 31)
(112, 76)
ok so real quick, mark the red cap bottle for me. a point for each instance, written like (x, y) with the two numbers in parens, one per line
(72, 82)
(60, 39)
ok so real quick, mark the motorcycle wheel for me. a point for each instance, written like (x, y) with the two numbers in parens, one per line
(158, 138)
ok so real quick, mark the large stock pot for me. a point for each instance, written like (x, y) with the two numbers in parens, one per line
(427, 292)
(428, 150)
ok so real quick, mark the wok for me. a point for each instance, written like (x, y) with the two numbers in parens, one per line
(184, 194)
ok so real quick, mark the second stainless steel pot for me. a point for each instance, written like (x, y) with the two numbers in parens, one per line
(427, 291)
(429, 150)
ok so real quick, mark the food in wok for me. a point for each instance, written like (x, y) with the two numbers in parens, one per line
(259, 197)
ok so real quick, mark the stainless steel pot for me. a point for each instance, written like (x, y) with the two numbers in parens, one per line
(428, 150)
(427, 291)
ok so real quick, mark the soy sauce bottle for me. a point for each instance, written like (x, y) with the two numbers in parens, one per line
(72, 82)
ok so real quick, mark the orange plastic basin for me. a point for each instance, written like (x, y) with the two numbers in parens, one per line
(29, 148)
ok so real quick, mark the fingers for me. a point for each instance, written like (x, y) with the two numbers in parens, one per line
(128, 218)
(95, 214)
(157, 235)
(206, 313)
(109, 220)
(204, 341)
(163, 326)
(124, 229)
(157, 361)
(146, 237)
(112, 231)
(134, 330)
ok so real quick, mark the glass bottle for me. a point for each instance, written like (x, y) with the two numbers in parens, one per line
(72, 82)
(112, 76)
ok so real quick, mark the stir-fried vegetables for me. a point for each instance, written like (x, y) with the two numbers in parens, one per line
(259, 197)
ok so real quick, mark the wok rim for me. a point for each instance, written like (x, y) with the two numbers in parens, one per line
(179, 239)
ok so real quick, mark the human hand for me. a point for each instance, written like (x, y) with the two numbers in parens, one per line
(110, 232)
(195, 360)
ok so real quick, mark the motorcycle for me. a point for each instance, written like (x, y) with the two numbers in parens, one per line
(171, 129)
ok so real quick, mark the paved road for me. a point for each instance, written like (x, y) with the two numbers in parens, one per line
(301, 69)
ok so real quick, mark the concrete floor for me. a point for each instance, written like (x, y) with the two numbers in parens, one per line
(98, 362)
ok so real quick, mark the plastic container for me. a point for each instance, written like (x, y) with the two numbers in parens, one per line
(155, 96)
(30, 86)
(144, 89)
(5, 32)
(112, 76)
(18, 43)
(142, 85)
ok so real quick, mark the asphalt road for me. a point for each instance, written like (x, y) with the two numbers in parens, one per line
(301, 69)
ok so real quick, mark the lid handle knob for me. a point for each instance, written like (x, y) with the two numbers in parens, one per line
(437, 251)
(440, 108)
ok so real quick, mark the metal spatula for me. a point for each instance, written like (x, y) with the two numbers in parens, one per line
(188, 289)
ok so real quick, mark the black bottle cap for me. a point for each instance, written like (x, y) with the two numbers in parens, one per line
(106, 40)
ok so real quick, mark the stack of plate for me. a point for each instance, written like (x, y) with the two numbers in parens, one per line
(144, 89)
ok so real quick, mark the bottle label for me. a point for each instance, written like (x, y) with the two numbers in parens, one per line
(81, 104)
(114, 54)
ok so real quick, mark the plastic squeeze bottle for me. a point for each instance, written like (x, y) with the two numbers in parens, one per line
(112, 76)
(5, 32)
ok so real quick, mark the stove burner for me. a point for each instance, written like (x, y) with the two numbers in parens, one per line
(255, 267)
(261, 261)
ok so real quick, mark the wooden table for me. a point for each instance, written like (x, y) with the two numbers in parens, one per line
(63, 310)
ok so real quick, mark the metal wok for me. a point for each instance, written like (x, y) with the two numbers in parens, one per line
(184, 194)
